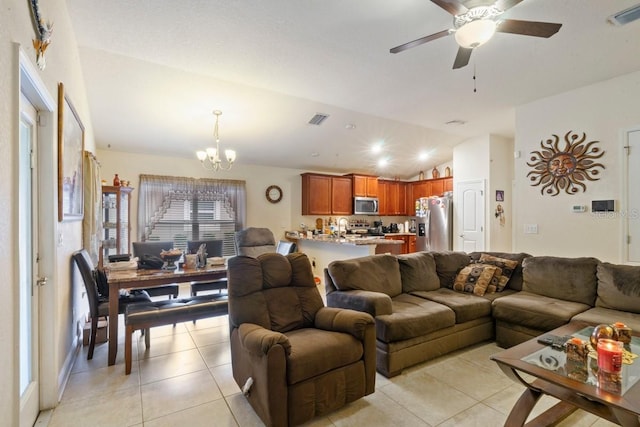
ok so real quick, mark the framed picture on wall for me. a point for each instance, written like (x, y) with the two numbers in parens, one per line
(70, 149)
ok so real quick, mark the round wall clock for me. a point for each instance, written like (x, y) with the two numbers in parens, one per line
(274, 193)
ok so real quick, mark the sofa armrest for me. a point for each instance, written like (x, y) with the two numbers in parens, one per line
(258, 340)
(344, 320)
(374, 303)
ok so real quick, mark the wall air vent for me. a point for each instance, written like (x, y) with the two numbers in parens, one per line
(318, 119)
(625, 16)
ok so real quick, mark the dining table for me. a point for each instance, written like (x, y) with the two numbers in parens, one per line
(140, 279)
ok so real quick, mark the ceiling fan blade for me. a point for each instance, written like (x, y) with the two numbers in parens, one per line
(462, 58)
(454, 7)
(528, 28)
(506, 4)
(420, 41)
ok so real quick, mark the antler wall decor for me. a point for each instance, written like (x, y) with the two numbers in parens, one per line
(43, 34)
(565, 169)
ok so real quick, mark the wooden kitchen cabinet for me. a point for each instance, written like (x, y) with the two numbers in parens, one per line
(409, 242)
(341, 196)
(365, 185)
(448, 184)
(420, 189)
(326, 195)
(437, 187)
(392, 197)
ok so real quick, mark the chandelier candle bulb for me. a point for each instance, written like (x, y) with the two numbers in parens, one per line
(610, 355)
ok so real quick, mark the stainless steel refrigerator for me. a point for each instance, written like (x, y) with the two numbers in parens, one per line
(434, 224)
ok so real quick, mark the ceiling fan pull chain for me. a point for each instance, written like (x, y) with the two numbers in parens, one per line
(474, 78)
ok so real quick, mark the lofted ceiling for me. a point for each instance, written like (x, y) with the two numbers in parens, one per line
(156, 69)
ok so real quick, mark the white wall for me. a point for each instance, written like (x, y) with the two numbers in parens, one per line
(500, 178)
(602, 111)
(61, 296)
(278, 217)
(487, 158)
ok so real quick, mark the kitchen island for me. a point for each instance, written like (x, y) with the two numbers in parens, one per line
(324, 250)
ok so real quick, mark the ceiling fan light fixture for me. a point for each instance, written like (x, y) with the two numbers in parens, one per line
(475, 33)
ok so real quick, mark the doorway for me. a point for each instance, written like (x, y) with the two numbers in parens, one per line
(470, 216)
(35, 160)
(27, 247)
(632, 213)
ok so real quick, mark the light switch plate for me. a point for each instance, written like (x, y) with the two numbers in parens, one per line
(531, 229)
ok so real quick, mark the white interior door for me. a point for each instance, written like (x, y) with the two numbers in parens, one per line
(633, 196)
(27, 241)
(470, 214)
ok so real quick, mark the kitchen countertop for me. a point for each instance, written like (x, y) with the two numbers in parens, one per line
(355, 241)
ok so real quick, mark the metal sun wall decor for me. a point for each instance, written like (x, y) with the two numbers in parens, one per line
(565, 169)
(43, 34)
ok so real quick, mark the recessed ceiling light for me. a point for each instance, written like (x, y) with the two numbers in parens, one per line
(383, 162)
(377, 147)
(315, 154)
(350, 126)
(423, 156)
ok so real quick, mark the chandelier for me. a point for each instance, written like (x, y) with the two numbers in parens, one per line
(210, 158)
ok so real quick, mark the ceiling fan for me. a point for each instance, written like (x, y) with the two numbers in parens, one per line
(475, 25)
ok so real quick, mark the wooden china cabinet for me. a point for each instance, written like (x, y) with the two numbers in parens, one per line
(116, 214)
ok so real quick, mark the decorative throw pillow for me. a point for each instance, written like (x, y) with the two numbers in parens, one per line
(476, 278)
(507, 266)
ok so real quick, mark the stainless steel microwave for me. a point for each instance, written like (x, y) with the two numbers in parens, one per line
(365, 206)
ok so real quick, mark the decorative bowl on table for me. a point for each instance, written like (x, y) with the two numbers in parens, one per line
(170, 257)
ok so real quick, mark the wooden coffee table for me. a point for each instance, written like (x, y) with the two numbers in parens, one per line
(548, 366)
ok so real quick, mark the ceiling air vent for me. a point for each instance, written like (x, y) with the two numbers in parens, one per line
(626, 16)
(318, 119)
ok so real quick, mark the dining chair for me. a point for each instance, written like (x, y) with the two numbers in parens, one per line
(213, 249)
(99, 304)
(155, 248)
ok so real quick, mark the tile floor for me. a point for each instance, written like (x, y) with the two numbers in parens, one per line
(185, 379)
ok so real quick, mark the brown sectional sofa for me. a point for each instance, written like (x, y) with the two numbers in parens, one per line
(419, 316)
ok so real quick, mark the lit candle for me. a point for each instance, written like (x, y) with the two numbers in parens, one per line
(610, 355)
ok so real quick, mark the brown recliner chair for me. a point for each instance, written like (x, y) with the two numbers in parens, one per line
(254, 241)
(293, 357)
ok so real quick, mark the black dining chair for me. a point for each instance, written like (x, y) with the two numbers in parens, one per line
(154, 249)
(99, 304)
(213, 249)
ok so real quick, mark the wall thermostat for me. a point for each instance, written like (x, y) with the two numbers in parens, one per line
(602, 206)
(578, 208)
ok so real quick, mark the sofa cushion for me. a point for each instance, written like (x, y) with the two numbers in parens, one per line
(507, 267)
(475, 278)
(600, 315)
(309, 356)
(466, 306)
(377, 273)
(448, 264)
(418, 272)
(515, 282)
(569, 279)
(619, 287)
(535, 311)
(412, 317)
